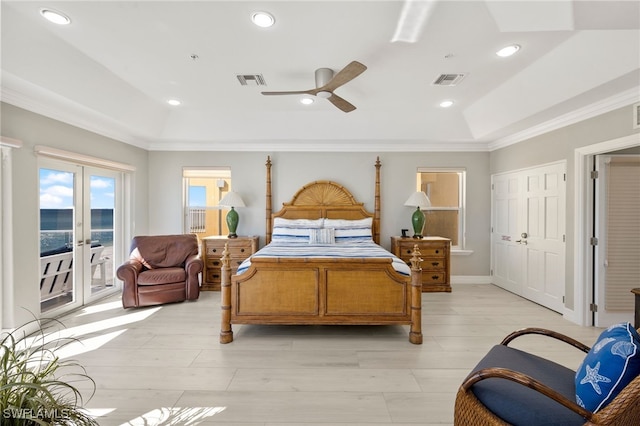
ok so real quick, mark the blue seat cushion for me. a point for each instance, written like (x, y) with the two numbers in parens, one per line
(518, 404)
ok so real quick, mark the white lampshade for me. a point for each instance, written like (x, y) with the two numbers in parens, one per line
(418, 199)
(231, 199)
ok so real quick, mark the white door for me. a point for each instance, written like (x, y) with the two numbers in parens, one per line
(616, 254)
(543, 220)
(528, 233)
(78, 223)
(506, 253)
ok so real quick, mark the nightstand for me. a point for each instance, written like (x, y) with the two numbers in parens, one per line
(240, 248)
(435, 252)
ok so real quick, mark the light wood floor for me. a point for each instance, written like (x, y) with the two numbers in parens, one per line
(164, 365)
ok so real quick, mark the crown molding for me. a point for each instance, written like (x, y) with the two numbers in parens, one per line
(306, 145)
(620, 100)
(22, 94)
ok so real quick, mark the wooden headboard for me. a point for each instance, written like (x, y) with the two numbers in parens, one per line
(324, 199)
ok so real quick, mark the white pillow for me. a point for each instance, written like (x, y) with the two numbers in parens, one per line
(294, 230)
(351, 231)
(322, 236)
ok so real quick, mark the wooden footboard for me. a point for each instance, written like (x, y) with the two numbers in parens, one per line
(321, 291)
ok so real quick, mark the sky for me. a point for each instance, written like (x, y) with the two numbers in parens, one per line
(56, 190)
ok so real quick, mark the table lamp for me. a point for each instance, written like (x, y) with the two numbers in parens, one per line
(232, 199)
(419, 200)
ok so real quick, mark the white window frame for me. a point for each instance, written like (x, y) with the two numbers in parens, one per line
(462, 196)
(200, 172)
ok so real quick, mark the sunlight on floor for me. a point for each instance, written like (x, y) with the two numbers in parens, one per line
(101, 307)
(85, 345)
(168, 416)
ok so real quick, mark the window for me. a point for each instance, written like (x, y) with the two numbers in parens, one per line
(203, 189)
(446, 191)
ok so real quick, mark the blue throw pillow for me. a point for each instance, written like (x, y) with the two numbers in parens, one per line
(612, 362)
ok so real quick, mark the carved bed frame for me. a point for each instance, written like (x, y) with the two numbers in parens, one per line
(306, 291)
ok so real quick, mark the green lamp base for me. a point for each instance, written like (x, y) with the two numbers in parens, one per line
(232, 223)
(417, 219)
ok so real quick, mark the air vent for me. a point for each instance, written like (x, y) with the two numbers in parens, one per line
(448, 79)
(251, 79)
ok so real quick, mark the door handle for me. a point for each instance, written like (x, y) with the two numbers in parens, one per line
(522, 242)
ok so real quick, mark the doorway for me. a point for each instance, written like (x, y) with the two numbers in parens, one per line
(80, 225)
(584, 158)
(528, 233)
(617, 230)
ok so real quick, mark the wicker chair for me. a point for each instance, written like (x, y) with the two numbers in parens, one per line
(528, 395)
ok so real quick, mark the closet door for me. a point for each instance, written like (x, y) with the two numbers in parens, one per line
(528, 233)
(543, 219)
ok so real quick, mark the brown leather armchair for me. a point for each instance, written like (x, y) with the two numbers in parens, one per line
(161, 269)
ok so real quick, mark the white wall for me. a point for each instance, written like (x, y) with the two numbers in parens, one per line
(355, 171)
(32, 130)
(561, 145)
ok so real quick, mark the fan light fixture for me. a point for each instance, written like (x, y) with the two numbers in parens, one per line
(446, 104)
(55, 17)
(174, 102)
(306, 101)
(508, 50)
(263, 19)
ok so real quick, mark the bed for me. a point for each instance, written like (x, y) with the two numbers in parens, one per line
(322, 265)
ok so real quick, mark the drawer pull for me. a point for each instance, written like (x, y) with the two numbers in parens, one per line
(216, 276)
(437, 251)
(435, 263)
(434, 277)
(214, 250)
(216, 263)
(239, 262)
(241, 250)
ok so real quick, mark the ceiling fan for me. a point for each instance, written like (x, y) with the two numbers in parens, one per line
(327, 82)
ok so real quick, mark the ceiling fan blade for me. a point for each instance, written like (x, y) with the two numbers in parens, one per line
(294, 92)
(341, 103)
(345, 75)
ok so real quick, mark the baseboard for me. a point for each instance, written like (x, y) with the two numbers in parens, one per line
(470, 279)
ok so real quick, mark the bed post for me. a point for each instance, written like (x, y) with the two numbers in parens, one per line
(376, 211)
(226, 333)
(268, 200)
(415, 335)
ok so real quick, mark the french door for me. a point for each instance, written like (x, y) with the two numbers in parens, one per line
(80, 219)
(528, 233)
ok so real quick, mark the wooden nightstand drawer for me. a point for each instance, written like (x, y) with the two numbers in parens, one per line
(430, 277)
(239, 249)
(435, 252)
(434, 264)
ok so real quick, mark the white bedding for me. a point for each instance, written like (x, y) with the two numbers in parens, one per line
(343, 250)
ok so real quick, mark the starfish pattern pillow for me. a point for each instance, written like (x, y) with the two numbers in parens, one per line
(612, 362)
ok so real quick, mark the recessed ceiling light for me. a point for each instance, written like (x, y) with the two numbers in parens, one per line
(55, 16)
(508, 50)
(174, 102)
(306, 101)
(446, 104)
(263, 19)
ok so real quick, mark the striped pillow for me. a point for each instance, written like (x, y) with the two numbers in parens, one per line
(322, 236)
(293, 230)
(351, 231)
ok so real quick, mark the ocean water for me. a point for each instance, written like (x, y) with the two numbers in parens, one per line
(56, 228)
